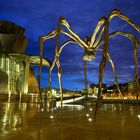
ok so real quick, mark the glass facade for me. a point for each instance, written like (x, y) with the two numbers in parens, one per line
(15, 72)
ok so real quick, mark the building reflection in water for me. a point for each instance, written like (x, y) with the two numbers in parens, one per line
(18, 81)
(24, 116)
(11, 119)
(16, 115)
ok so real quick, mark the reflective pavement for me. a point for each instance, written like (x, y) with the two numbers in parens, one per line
(35, 121)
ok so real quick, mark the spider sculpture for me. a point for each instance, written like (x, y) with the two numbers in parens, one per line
(91, 45)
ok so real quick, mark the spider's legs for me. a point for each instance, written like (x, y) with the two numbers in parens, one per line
(41, 41)
(104, 56)
(63, 21)
(57, 62)
(57, 58)
(118, 13)
(50, 74)
(114, 71)
(85, 78)
(101, 72)
(135, 42)
(136, 73)
(75, 37)
(102, 64)
(97, 28)
(60, 80)
(115, 74)
(39, 85)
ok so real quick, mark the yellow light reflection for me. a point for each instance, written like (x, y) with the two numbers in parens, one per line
(51, 117)
(90, 119)
(87, 115)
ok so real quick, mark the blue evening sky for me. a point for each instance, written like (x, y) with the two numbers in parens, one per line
(39, 17)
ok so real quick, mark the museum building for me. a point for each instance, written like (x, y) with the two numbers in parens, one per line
(16, 77)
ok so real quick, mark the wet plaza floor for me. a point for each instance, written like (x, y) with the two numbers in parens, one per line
(34, 121)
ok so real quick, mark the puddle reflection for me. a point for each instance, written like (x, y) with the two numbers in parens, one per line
(15, 117)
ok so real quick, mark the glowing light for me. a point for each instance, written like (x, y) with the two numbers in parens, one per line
(51, 117)
(53, 92)
(87, 115)
(42, 109)
(58, 103)
(89, 119)
(90, 109)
